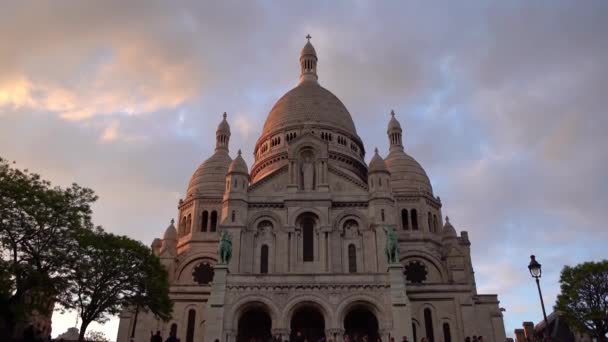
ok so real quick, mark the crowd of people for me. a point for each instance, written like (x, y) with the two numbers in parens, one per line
(301, 338)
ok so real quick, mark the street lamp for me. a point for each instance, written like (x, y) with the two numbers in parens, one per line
(536, 272)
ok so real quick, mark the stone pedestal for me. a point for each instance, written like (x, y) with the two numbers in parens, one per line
(215, 306)
(400, 304)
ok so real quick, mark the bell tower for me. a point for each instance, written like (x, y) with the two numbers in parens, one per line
(308, 62)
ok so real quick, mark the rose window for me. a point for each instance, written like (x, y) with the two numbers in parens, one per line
(415, 272)
(203, 273)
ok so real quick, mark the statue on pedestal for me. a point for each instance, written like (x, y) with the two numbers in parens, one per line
(225, 249)
(391, 249)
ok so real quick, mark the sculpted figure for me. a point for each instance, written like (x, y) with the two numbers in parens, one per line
(225, 250)
(391, 249)
(308, 172)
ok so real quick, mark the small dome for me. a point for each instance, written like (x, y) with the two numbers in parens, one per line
(170, 232)
(210, 176)
(238, 165)
(393, 124)
(308, 49)
(224, 127)
(448, 229)
(406, 173)
(377, 164)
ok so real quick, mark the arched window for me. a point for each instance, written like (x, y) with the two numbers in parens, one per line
(447, 335)
(233, 216)
(404, 220)
(430, 222)
(352, 258)
(173, 330)
(191, 323)
(308, 225)
(428, 325)
(204, 221)
(189, 224)
(382, 214)
(213, 222)
(414, 215)
(435, 223)
(264, 260)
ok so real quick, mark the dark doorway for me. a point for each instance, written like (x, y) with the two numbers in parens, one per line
(307, 324)
(254, 326)
(360, 322)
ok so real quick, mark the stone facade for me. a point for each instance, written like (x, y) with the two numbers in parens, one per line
(308, 239)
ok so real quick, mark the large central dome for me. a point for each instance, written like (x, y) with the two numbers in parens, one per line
(309, 103)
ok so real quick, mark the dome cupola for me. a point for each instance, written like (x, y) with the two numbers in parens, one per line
(222, 134)
(209, 177)
(308, 62)
(377, 164)
(394, 132)
(169, 244)
(448, 229)
(406, 173)
(307, 109)
(238, 165)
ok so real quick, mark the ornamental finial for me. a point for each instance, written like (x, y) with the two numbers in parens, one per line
(225, 115)
(308, 37)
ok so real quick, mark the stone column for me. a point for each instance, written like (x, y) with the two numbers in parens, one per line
(282, 334)
(335, 334)
(400, 304)
(215, 306)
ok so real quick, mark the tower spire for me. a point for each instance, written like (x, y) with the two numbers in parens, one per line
(308, 62)
(394, 132)
(222, 135)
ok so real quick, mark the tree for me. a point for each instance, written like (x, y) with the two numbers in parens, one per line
(584, 298)
(96, 336)
(37, 227)
(111, 272)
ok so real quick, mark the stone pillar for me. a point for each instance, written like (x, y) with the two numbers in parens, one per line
(336, 334)
(400, 304)
(215, 306)
(282, 334)
(520, 335)
(529, 330)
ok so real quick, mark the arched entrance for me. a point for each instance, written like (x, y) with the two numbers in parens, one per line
(254, 326)
(307, 324)
(359, 322)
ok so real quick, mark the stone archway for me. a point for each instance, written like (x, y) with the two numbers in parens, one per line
(307, 324)
(360, 322)
(254, 325)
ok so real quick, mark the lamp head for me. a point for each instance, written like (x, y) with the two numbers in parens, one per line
(534, 267)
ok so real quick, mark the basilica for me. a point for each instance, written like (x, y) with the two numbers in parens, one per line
(308, 224)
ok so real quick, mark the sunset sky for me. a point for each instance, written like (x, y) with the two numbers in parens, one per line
(504, 103)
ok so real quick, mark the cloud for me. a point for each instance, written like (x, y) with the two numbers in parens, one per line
(503, 103)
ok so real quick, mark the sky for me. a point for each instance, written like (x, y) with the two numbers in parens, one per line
(502, 102)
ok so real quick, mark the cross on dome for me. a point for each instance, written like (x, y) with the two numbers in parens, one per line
(308, 37)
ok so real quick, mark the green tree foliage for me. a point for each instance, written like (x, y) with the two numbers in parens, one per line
(96, 336)
(584, 298)
(37, 226)
(111, 272)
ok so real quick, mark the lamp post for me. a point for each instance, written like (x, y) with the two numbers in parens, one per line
(536, 271)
